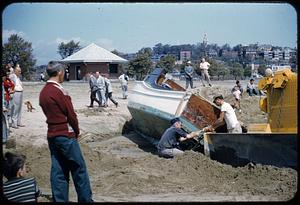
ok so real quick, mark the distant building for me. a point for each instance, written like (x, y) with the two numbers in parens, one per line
(268, 55)
(185, 55)
(212, 53)
(93, 58)
(155, 58)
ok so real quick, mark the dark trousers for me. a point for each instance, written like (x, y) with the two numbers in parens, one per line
(252, 92)
(109, 95)
(94, 98)
(66, 157)
(188, 81)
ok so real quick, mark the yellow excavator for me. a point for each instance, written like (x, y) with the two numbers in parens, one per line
(280, 102)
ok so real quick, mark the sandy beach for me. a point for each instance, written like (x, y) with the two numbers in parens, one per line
(123, 166)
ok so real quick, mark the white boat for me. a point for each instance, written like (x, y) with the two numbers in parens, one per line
(155, 101)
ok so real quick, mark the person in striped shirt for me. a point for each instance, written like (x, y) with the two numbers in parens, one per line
(18, 188)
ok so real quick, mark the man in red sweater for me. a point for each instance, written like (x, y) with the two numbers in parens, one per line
(63, 133)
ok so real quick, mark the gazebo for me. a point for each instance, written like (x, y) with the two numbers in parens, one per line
(93, 58)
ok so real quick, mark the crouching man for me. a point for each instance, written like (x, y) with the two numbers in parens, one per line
(227, 114)
(168, 144)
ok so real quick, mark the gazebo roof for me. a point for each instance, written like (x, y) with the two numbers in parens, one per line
(93, 54)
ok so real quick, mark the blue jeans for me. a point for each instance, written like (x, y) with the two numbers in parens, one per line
(66, 157)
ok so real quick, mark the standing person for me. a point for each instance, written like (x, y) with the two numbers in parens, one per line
(108, 92)
(251, 90)
(17, 188)
(63, 134)
(204, 66)
(227, 113)
(101, 89)
(5, 127)
(17, 99)
(124, 84)
(67, 74)
(9, 88)
(189, 71)
(94, 89)
(42, 77)
(168, 144)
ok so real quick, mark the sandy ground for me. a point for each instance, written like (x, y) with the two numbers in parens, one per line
(125, 167)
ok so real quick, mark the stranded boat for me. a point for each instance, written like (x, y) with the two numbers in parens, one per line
(157, 99)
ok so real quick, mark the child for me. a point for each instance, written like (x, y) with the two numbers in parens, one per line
(237, 95)
(17, 188)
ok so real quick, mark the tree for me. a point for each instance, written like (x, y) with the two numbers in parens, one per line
(237, 70)
(167, 62)
(19, 51)
(67, 49)
(247, 71)
(116, 52)
(141, 65)
(223, 72)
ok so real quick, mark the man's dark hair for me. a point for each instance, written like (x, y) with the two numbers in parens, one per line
(12, 163)
(218, 97)
(54, 67)
(237, 82)
(251, 79)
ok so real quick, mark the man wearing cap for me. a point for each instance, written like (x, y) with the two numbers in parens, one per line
(204, 66)
(167, 146)
(227, 113)
(189, 70)
(63, 134)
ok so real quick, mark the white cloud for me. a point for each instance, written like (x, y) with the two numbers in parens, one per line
(7, 33)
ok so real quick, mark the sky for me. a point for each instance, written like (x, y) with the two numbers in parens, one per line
(128, 27)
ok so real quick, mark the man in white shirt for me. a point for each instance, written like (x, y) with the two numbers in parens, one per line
(251, 89)
(204, 66)
(101, 88)
(124, 84)
(18, 98)
(227, 114)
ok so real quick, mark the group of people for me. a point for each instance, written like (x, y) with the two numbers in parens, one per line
(12, 99)
(189, 73)
(237, 92)
(101, 89)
